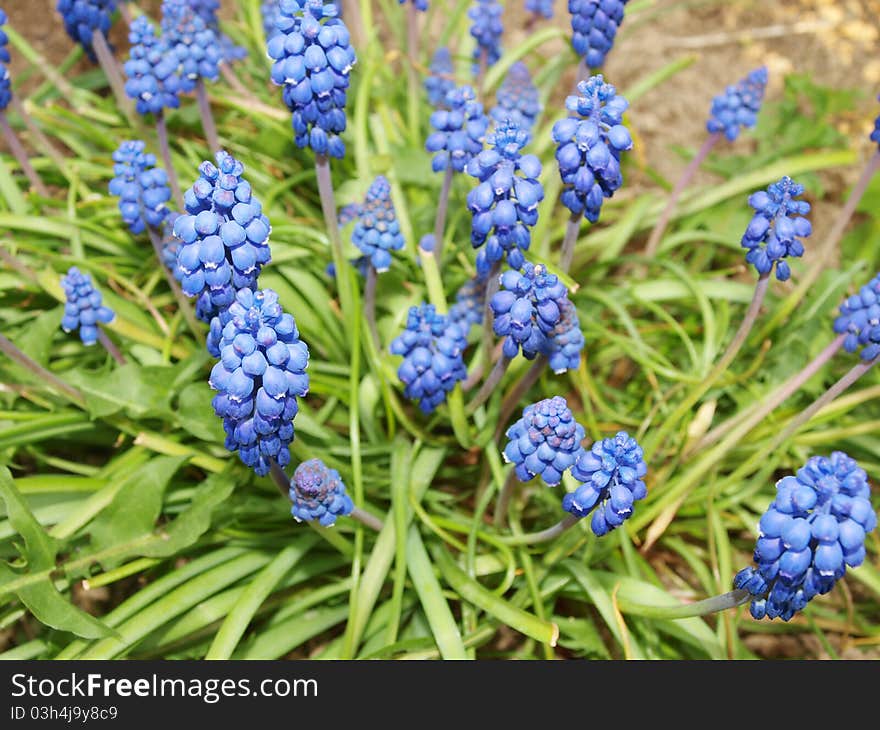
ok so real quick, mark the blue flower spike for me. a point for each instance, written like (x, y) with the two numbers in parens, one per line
(82, 18)
(207, 11)
(737, 108)
(460, 130)
(5, 88)
(594, 25)
(440, 81)
(612, 475)
(469, 300)
(142, 188)
(432, 347)
(318, 493)
(377, 231)
(152, 78)
(565, 342)
(486, 28)
(312, 59)
(545, 442)
(859, 319)
(540, 8)
(270, 10)
(4, 39)
(260, 374)
(224, 236)
(775, 231)
(589, 144)
(189, 42)
(83, 307)
(421, 5)
(505, 203)
(813, 530)
(517, 99)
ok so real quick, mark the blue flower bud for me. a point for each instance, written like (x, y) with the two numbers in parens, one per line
(189, 43)
(82, 18)
(594, 25)
(486, 28)
(318, 493)
(738, 106)
(83, 309)
(460, 127)
(542, 8)
(860, 320)
(377, 231)
(440, 82)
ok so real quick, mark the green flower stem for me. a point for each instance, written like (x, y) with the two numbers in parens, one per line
(660, 227)
(504, 496)
(442, 209)
(766, 405)
(8, 348)
(114, 77)
(670, 422)
(414, 97)
(208, 124)
(370, 307)
(328, 207)
(551, 533)
(508, 405)
(572, 229)
(21, 157)
(165, 151)
(111, 347)
(183, 304)
(365, 518)
(490, 384)
(731, 599)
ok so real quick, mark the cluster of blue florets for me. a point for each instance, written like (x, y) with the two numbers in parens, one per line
(190, 43)
(594, 24)
(505, 203)
(469, 299)
(318, 493)
(4, 39)
(540, 7)
(432, 347)
(812, 531)
(860, 320)
(419, 4)
(461, 128)
(82, 18)
(486, 28)
(589, 146)
(152, 72)
(312, 59)
(5, 83)
(545, 442)
(225, 236)
(440, 82)
(142, 188)
(83, 308)
(377, 231)
(611, 474)
(774, 232)
(565, 341)
(738, 106)
(517, 98)
(260, 374)
(207, 11)
(527, 309)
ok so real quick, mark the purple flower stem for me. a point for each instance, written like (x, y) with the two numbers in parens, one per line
(490, 384)
(42, 140)
(492, 284)
(13, 353)
(279, 478)
(125, 13)
(551, 533)
(183, 303)
(572, 230)
(21, 156)
(442, 209)
(208, 123)
(370, 306)
(774, 400)
(111, 347)
(731, 599)
(504, 497)
(365, 518)
(508, 405)
(328, 207)
(111, 71)
(660, 227)
(165, 151)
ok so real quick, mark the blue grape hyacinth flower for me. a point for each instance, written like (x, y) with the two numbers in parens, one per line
(432, 347)
(207, 11)
(151, 71)
(517, 99)
(439, 82)
(318, 493)
(543, 8)
(142, 188)
(83, 307)
(189, 42)
(312, 59)
(565, 341)
(775, 230)
(270, 10)
(527, 309)
(860, 320)
(589, 144)
(594, 25)
(5, 88)
(545, 442)
(486, 28)
(612, 479)
(814, 528)
(418, 4)
(737, 108)
(468, 308)
(82, 18)
(260, 374)
(875, 135)
(224, 236)
(504, 205)
(377, 231)
(4, 39)
(460, 130)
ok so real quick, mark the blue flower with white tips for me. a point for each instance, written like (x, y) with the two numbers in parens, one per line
(517, 98)
(377, 232)
(737, 108)
(440, 82)
(775, 230)
(812, 531)
(142, 188)
(260, 374)
(318, 493)
(83, 18)
(312, 59)
(594, 25)
(152, 72)
(860, 320)
(432, 347)
(189, 42)
(543, 8)
(545, 442)
(612, 479)
(224, 236)
(461, 128)
(505, 203)
(486, 28)
(83, 308)
(589, 144)
(565, 341)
